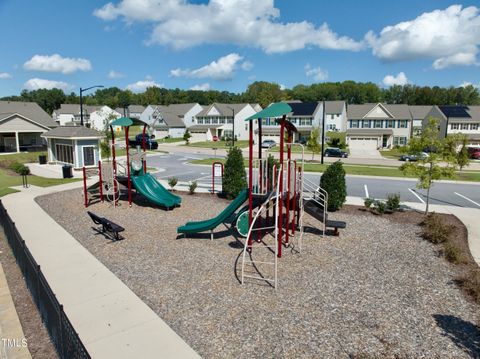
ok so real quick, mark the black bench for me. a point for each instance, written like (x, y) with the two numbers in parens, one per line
(336, 225)
(107, 226)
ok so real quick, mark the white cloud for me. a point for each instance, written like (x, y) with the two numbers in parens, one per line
(202, 87)
(450, 37)
(36, 84)
(317, 73)
(57, 63)
(283, 87)
(390, 80)
(466, 83)
(255, 23)
(5, 75)
(141, 86)
(247, 66)
(221, 69)
(115, 75)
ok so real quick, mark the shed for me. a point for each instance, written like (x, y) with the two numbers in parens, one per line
(75, 145)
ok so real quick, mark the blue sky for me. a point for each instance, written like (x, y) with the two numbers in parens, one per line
(227, 44)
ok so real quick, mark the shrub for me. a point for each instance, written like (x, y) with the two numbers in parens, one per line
(380, 207)
(192, 186)
(368, 202)
(434, 230)
(234, 177)
(19, 168)
(470, 282)
(393, 201)
(333, 181)
(187, 136)
(452, 253)
(172, 181)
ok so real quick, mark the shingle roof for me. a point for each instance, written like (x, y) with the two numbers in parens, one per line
(136, 108)
(304, 108)
(180, 108)
(74, 109)
(72, 132)
(225, 109)
(30, 110)
(334, 107)
(419, 112)
(359, 111)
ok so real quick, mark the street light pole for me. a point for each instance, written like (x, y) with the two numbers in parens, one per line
(323, 131)
(81, 100)
(233, 125)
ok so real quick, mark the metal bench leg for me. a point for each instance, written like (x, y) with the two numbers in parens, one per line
(335, 232)
(211, 235)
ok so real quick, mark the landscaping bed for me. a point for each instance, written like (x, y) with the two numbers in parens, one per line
(378, 290)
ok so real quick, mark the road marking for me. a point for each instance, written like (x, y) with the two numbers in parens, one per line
(468, 199)
(366, 191)
(176, 174)
(416, 195)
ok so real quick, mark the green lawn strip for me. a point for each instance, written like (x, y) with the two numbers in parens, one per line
(169, 140)
(393, 153)
(22, 157)
(5, 191)
(364, 170)
(10, 179)
(218, 144)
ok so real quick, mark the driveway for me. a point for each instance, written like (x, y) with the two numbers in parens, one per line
(364, 152)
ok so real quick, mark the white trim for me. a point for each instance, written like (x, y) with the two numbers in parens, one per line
(17, 141)
(56, 154)
(74, 138)
(27, 119)
(383, 107)
(82, 154)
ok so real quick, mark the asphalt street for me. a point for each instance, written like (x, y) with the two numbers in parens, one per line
(455, 194)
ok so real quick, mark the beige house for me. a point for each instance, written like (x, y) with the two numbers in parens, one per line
(376, 126)
(21, 124)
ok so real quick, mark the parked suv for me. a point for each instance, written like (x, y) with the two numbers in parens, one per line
(268, 143)
(149, 143)
(335, 152)
(474, 152)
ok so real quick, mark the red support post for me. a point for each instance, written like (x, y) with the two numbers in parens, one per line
(114, 162)
(100, 180)
(85, 194)
(144, 148)
(250, 179)
(128, 167)
(280, 210)
(288, 189)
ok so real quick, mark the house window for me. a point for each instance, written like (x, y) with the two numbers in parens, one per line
(464, 126)
(88, 156)
(353, 123)
(378, 123)
(332, 127)
(402, 124)
(474, 127)
(215, 120)
(332, 116)
(64, 153)
(222, 120)
(365, 123)
(227, 133)
(454, 126)
(389, 124)
(200, 121)
(229, 120)
(399, 140)
(207, 121)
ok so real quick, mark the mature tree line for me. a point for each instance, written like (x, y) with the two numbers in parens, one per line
(263, 93)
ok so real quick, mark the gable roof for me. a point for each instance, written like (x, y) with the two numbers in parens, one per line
(29, 110)
(180, 108)
(360, 111)
(74, 109)
(72, 132)
(334, 107)
(419, 112)
(225, 109)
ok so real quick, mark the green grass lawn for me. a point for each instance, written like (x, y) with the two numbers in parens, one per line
(9, 179)
(170, 140)
(219, 144)
(364, 170)
(394, 153)
(22, 157)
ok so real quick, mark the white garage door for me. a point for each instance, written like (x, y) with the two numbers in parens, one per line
(363, 143)
(198, 136)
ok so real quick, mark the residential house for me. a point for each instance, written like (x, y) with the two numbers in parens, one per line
(419, 113)
(458, 119)
(132, 111)
(305, 116)
(377, 125)
(21, 124)
(74, 145)
(221, 120)
(95, 117)
(335, 116)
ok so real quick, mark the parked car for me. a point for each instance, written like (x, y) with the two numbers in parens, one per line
(335, 152)
(149, 142)
(474, 152)
(413, 158)
(268, 143)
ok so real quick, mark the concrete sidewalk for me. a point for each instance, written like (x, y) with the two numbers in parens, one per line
(110, 319)
(469, 216)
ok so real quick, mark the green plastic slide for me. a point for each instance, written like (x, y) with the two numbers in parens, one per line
(149, 187)
(209, 224)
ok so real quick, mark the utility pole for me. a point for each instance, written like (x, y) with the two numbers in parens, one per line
(323, 130)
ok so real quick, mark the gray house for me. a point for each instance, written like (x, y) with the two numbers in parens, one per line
(74, 145)
(21, 124)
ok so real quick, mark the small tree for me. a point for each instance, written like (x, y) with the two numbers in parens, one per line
(312, 143)
(172, 182)
(187, 136)
(440, 162)
(234, 177)
(333, 181)
(463, 159)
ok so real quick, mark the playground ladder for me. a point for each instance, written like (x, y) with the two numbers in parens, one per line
(315, 193)
(271, 247)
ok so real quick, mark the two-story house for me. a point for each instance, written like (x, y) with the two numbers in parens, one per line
(95, 117)
(305, 116)
(218, 119)
(377, 125)
(132, 111)
(335, 116)
(457, 119)
(419, 113)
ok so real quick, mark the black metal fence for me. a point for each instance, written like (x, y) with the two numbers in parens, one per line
(62, 333)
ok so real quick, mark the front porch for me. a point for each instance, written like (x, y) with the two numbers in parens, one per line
(21, 141)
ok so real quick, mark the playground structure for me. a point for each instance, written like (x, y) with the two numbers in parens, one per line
(130, 173)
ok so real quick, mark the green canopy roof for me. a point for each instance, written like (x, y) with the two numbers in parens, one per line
(277, 109)
(122, 121)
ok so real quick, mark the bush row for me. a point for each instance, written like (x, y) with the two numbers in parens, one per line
(391, 205)
(19, 168)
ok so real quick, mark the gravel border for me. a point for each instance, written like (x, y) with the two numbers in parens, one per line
(378, 290)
